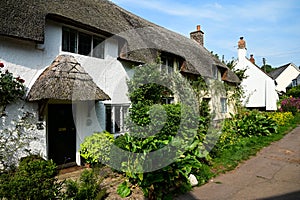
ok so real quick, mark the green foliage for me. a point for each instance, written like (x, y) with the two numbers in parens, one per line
(96, 148)
(232, 155)
(153, 127)
(294, 92)
(87, 188)
(251, 123)
(244, 124)
(281, 118)
(290, 104)
(235, 93)
(123, 190)
(11, 88)
(33, 179)
(267, 68)
(147, 90)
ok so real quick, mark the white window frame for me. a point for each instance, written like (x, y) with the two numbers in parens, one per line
(215, 72)
(77, 41)
(168, 67)
(124, 108)
(223, 101)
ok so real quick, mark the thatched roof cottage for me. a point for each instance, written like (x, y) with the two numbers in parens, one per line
(73, 53)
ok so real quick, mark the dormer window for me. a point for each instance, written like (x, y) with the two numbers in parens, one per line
(82, 43)
(215, 72)
(167, 65)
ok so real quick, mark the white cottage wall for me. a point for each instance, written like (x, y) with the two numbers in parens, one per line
(286, 78)
(28, 60)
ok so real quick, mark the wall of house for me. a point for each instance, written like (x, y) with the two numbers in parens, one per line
(286, 77)
(258, 87)
(28, 60)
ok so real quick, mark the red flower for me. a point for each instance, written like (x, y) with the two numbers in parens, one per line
(1, 64)
(20, 80)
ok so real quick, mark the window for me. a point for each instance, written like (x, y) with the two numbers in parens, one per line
(215, 72)
(167, 65)
(115, 118)
(167, 100)
(82, 43)
(223, 105)
(294, 83)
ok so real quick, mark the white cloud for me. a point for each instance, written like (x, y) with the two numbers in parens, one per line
(261, 22)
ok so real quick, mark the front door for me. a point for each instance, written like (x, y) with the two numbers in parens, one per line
(61, 134)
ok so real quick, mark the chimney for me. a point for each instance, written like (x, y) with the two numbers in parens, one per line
(252, 59)
(198, 35)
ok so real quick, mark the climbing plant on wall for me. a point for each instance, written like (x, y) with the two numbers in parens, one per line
(11, 88)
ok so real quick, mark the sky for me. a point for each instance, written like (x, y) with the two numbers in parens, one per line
(271, 28)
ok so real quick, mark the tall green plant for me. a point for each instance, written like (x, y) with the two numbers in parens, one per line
(177, 132)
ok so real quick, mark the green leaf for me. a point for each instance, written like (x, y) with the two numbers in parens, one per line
(123, 190)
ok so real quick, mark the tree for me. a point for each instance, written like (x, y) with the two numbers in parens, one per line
(267, 68)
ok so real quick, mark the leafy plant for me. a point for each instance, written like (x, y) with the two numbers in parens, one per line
(11, 88)
(96, 148)
(144, 136)
(251, 123)
(33, 179)
(123, 190)
(281, 118)
(87, 188)
(290, 104)
(294, 92)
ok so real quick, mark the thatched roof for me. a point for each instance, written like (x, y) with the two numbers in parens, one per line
(26, 20)
(65, 79)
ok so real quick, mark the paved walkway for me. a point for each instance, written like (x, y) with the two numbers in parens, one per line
(273, 174)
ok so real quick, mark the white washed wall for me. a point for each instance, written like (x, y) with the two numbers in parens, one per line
(28, 60)
(259, 88)
(286, 78)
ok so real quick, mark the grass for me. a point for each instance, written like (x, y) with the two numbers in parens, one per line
(229, 158)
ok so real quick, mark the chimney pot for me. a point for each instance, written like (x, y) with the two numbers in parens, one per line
(198, 35)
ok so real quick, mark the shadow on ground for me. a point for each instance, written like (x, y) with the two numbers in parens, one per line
(288, 196)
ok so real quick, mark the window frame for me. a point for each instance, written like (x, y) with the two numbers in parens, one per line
(116, 123)
(223, 101)
(77, 42)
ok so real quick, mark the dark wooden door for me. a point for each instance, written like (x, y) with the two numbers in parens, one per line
(61, 134)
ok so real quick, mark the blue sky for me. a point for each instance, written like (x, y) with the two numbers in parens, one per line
(271, 28)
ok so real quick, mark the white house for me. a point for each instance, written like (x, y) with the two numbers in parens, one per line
(285, 76)
(259, 87)
(75, 57)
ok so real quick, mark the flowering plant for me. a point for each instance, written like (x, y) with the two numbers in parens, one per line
(11, 88)
(290, 104)
(281, 118)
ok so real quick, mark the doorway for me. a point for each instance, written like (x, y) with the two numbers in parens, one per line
(61, 134)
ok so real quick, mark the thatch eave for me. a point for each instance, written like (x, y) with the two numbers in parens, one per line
(66, 80)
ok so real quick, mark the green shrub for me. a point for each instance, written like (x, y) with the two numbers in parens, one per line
(250, 123)
(33, 179)
(87, 188)
(11, 88)
(281, 118)
(96, 148)
(294, 92)
(290, 105)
